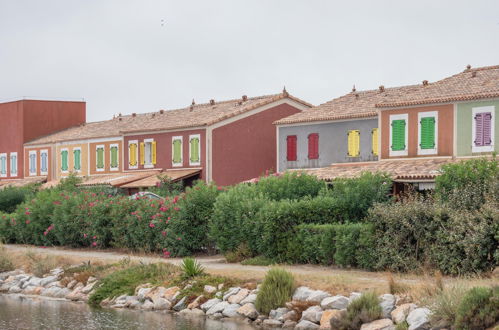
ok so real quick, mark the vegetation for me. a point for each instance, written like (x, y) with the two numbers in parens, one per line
(277, 289)
(191, 267)
(479, 309)
(258, 261)
(6, 263)
(11, 197)
(362, 310)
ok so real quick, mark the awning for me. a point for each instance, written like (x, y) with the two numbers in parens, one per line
(152, 180)
(118, 179)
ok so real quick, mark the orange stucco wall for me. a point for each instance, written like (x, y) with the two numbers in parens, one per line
(107, 157)
(71, 147)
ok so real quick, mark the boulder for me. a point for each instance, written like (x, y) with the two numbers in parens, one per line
(147, 306)
(231, 310)
(383, 324)
(216, 316)
(312, 314)
(71, 284)
(47, 280)
(56, 292)
(182, 304)
(289, 324)
(248, 310)
(289, 316)
(354, 295)
(142, 292)
(217, 308)
(210, 303)
(331, 314)
(196, 312)
(161, 304)
(419, 319)
(302, 293)
(230, 292)
(306, 325)
(209, 289)
(387, 303)
(134, 304)
(238, 297)
(271, 323)
(399, 314)
(251, 298)
(170, 293)
(196, 303)
(277, 314)
(317, 296)
(76, 295)
(89, 287)
(336, 302)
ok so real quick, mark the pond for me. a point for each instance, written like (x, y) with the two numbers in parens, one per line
(19, 312)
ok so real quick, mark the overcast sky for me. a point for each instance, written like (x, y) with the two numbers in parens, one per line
(143, 55)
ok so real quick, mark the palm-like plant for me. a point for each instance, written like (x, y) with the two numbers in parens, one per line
(191, 267)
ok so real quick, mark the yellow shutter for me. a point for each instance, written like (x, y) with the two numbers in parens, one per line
(132, 154)
(375, 144)
(142, 155)
(353, 143)
(153, 152)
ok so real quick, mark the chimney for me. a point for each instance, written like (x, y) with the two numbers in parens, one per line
(134, 114)
(285, 92)
(161, 111)
(354, 89)
(212, 102)
(245, 98)
(425, 82)
(473, 74)
(381, 88)
(468, 67)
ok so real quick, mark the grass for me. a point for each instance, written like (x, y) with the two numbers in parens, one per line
(258, 261)
(479, 309)
(191, 267)
(6, 263)
(444, 305)
(125, 281)
(362, 310)
(40, 265)
(277, 289)
(395, 287)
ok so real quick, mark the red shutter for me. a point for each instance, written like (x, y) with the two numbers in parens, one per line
(313, 146)
(291, 148)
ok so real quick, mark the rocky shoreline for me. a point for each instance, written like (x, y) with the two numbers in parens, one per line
(309, 309)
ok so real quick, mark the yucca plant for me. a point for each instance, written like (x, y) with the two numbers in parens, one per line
(191, 267)
(277, 289)
(362, 310)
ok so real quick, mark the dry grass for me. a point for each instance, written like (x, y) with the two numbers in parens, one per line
(396, 287)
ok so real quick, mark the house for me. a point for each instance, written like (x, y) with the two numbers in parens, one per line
(222, 141)
(343, 130)
(25, 120)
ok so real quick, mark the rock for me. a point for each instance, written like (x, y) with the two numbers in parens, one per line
(197, 312)
(336, 302)
(331, 314)
(135, 304)
(289, 316)
(76, 295)
(276, 314)
(419, 319)
(306, 325)
(161, 304)
(147, 306)
(47, 280)
(142, 292)
(217, 308)
(91, 279)
(88, 288)
(312, 314)
(302, 293)
(317, 296)
(188, 286)
(216, 316)
(238, 297)
(220, 286)
(15, 289)
(145, 285)
(230, 292)
(219, 295)
(289, 324)
(248, 310)
(209, 289)
(271, 323)
(354, 295)
(400, 313)
(403, 299)
(383, 324)
(118, 306)
(196, 303)
(231, 310)
(209, 304)
(79, 285)
(56, 292)
(35, 281)
(387, 303)
(181, 304)
(57, 272)
(171, 293)
(251, 298)
(71, 284)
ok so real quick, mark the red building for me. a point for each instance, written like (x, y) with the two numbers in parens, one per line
(25, 120)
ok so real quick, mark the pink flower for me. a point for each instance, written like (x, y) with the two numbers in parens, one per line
(57, 203)
(175, 200)
(158, 184)
(163, 209)
(163, 233)
(152, 225)
(27, 213)
(220, 188)
(176, 209)
(94, 243)
(169, 218)
(179, 239)
(85, 235)
(45, 233)
(91, 204)
(27, 222)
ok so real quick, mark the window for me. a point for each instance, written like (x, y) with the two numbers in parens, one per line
(353, 143)
(133, 154)
(374, 141)
(398, 135)
(291, 154)
(99, 158)
(428, 133)
(177, 151)
(32, 162)
(114, 163)
(194, 150)
(64, 160)
(13, 164)
(3, 165)
(44, 160)
(77, 159)
(148, 153)
(483, 129)
(313, 146)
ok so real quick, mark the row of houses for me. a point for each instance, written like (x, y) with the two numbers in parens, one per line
(408, 131)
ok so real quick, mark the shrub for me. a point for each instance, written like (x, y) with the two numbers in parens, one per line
(468, 184)
(191, 267)
(277, 288)
(241, 253)
(6, 263)
(364, 309)
(479, 309)
(290, 185)
(353, 197)
(444, 305)
(166, 187)
(258, 261)
(11, 197)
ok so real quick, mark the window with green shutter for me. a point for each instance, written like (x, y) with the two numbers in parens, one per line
(100, 157)
(194, 150)
(114, 156)
(77, 159)
(64, 160)
(177, 151)
(398, 135)
(427, 133)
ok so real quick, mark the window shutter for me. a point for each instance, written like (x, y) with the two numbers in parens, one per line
(427, 133)
(64, 160)
(3, 165)
(398, 135)
(479, 129)
(487, 128)
(313, 146)
(291, 148)
(114, 157)
(142, 153)
(374, 141)
(100, 158)
(177, 151)
(153, 152)
(353, 143)
(194, 150)
(132, 154)
(77, 159)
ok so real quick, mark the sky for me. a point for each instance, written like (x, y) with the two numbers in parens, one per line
(124, 56)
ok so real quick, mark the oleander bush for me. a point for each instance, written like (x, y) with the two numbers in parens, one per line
(11, 197)
(290, 185)
(277, 289)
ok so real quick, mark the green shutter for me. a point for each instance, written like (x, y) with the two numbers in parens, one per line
(194, 150)
(427, 133)
(114, 157)
(177, 151)
(398, 135)
(100, 158)
(77, 159)
(64, 160)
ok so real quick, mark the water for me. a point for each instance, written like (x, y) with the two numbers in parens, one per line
(18, 312)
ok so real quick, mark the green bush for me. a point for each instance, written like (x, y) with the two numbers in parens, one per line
(277, 289)
(468, 184)
(353, 197)
(258, 261)
(479, 309)
(364, 309)
(11, 197)
(290, 185)
(191, 267)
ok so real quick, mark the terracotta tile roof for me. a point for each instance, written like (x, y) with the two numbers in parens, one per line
(151, 181)
(399, 170)
(356, 104)
(117, 179)
(192, 116)
(22, 182)
(471, 84)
